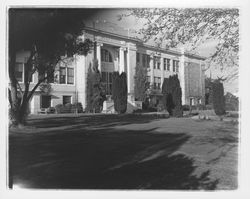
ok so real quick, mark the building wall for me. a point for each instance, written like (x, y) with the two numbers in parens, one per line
(191, 74)
(194, 81)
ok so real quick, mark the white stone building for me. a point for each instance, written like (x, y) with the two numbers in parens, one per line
(119, 53)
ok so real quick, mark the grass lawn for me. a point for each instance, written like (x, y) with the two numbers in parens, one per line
(124, 152)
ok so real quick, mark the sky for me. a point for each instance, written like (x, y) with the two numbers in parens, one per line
(107, 19)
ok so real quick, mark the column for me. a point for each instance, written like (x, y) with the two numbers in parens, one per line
(98, 55)
(151, 69)
(128, 70)
(121, 60)
(162, 71)
(182, 76)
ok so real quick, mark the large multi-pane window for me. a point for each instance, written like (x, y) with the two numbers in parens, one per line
(157, 62)
(45, 101)
(70, 76)
(19, 72)
(175, 66)
(106, 56)
(164, 63)
(66, 99)
(62, 75)
(107, 80)
(157, 83)
(66, 75)
(168, 64)
(148, 61)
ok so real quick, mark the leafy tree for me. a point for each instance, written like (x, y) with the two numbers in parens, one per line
(50, 35)
(218, 98)
(119, 92)
(141, 83)
(171, 91)
(172, 27)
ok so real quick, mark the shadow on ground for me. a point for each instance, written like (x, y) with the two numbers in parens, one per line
(91, 121)
(103, 159)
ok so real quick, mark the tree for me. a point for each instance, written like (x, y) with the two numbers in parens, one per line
(218, 98)
(50, 36)
(171, 91)
(141, 83)
(119, 92)
(95, 89)
(192, 27)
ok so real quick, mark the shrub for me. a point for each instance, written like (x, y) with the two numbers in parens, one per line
(119, 92)
(51, 110)
(171, 91)
(218, 98)
(58, 108)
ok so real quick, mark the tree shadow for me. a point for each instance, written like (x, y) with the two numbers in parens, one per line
(91, 121)
(103, 159)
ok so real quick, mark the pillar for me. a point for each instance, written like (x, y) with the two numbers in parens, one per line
(182, 76)
(121, 60)
(151, 69)
(98, 55)
(162, 70)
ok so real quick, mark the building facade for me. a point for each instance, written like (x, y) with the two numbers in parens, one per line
(118, 53)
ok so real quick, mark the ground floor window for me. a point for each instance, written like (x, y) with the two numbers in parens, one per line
(66, 99)
(45, 101)
(107, 80)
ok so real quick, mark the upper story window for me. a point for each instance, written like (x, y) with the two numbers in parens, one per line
(157, 83)
(157, 62)
(66, 75)
(106, 56)
(175, 66)
(168, 64)
(164, 63)
(19, 72)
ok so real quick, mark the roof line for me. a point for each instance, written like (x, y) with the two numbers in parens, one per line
(140, 42)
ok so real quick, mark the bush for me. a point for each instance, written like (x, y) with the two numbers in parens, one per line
(51, 110)
(185, 107)
(119, 92)
(171, 91)
(218, 98)
(59, 108)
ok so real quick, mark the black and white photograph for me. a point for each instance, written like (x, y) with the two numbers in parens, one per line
(131, 98)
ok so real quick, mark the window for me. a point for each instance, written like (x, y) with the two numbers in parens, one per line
(19, 72)
(45, 101)
(107, 80)
(148, 61)
(175, 66)
(157, 83)
(164, 63)
(137, 58)
(106, 56)
(66, 99)
(157, 62)
(168, 64)
(70, 75)
(148, 79)
(144, 60)
(62, 75)
(66, 75)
